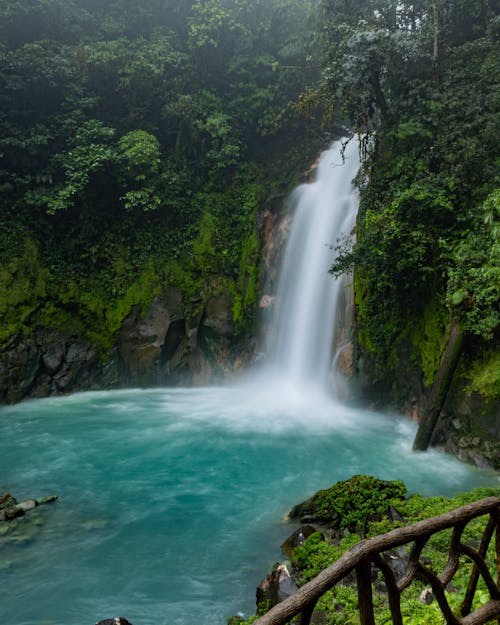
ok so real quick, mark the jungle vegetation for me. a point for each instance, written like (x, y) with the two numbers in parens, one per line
(138, 141)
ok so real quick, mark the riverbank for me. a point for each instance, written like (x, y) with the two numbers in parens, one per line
(362, 507)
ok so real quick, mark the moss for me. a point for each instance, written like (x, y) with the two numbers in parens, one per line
(349, 503)
(484, 375)
(204, 251)
(90, 294)
(362, 313)
(245, 291)
(23, 288)
(428, 335)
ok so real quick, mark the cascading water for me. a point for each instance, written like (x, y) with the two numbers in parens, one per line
(308, 295)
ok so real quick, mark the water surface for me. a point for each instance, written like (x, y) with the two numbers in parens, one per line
(172, 502)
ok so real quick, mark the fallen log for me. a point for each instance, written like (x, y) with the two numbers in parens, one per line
(440, 387)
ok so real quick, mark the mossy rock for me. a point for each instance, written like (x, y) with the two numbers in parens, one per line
(349, 503)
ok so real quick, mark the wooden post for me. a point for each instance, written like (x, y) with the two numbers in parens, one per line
(365, 595)
(306, 614)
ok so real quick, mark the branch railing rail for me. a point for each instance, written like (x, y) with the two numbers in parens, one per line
(368, 552)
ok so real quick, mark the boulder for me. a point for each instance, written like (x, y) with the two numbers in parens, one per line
(275, 587)
(267, 301)
(118, 620)
(297, 539)
(426, 596)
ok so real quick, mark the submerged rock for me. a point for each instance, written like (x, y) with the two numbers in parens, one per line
(15, 510)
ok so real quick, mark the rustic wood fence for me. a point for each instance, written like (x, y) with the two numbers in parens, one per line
(366, 553)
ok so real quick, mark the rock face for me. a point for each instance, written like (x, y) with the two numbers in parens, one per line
(46, 364)
(274, 229)
(142, 337)
(469, 428)
(157, 346)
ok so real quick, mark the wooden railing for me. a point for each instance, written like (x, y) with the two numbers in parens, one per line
(366, 553)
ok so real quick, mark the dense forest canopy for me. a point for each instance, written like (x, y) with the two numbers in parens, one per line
(135, 140)
(421, 80)
(139, 140)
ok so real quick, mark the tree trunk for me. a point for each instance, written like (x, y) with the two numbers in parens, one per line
(379, 95)
(440, 387)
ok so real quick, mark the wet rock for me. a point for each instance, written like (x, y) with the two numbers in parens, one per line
(267, 301)
(53, 356)
(345, 360)
(9, 514)
(80, 359)
(275, 587)
(19, 368)
(7, 501)
(320, 617)
(398, 561)
(426, 596)
(394, 515)
(141, 339)
(297, 539)
(119, 620)
(19, 509)
(218, 315)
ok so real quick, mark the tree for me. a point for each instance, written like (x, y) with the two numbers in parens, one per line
(425, 237)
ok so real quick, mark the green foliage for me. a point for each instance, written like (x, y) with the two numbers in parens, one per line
(429, 337)
(127, 137)
(427, 231)
(90, 154)
(349, 503)
(475, 274)
(341, 603)
(204, 251)
(140, 152)
(485, 375)
(211, 23)
(23, 287)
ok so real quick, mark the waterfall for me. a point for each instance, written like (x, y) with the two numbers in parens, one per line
(303, 335)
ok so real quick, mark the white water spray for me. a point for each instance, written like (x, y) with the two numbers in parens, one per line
(308, 295)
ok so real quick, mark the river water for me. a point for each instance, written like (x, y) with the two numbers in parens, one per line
(172, 502)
